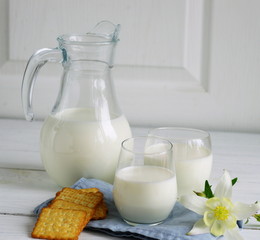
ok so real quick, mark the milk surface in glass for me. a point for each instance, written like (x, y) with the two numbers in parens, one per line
(145, 194)
(193, 167)
(75, 145)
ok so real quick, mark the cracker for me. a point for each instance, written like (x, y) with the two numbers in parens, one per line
(88, 190)
(57, 203)
(62, 224)
(90, 200)
(101, 211)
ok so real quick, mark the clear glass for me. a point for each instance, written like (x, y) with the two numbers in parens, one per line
(145, 188)
(83, 133)
(192, 155)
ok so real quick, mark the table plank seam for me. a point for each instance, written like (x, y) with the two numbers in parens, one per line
(17, 214)
(26, 169)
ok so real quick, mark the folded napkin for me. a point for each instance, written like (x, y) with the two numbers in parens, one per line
(174, 227)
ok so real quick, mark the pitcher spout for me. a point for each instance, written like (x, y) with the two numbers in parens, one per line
(106, 29)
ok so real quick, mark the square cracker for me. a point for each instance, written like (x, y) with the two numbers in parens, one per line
(99, 213)
(101, 210)
(90, 199)
(88, 190)
(62, 224)
(58, 203)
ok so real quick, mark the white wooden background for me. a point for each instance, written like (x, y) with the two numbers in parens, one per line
(192, 63)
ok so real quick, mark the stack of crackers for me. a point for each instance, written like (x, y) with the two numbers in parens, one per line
(68, 213)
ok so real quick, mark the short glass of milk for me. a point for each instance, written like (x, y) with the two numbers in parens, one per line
(192, 156)
(145, 188)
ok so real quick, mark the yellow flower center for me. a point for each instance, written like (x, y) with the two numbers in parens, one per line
(221, 213)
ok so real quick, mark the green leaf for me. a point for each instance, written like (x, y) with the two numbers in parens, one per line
(257, 217)
(200, 194)
(207, 190)
(234, 180)
(247, 220)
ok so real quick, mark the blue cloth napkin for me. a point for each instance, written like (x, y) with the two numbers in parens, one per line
(174, 227)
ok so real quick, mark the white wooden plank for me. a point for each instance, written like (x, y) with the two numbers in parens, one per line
(3, 31)
(16, 227)
(20, 227)
(19, 145)
(240, 154)
(22, 190)
(250, 234)
(194, 37)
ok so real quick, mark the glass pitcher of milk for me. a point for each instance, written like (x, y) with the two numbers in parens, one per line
(83, 133)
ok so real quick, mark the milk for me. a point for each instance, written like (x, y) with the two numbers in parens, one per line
(193, 167)
(144, 194)
(74, 145)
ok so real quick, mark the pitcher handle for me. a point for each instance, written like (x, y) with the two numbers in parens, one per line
(37, 60)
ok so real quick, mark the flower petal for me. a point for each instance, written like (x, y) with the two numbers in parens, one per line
(212, 203)
(218, 228)
(208, 218)
(199, 228)
(194, 203)
(227, 203)
(231, 222)
(233, 234)
(224, 187)
(243, 211)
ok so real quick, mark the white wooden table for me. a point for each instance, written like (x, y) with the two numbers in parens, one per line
(24, 184)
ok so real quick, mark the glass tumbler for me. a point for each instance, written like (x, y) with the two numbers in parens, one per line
(192, 156)
(145, 188)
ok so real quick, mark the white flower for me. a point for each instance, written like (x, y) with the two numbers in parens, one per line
(220, 214)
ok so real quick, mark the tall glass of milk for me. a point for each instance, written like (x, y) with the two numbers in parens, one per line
(145, 188)
(192, 156)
